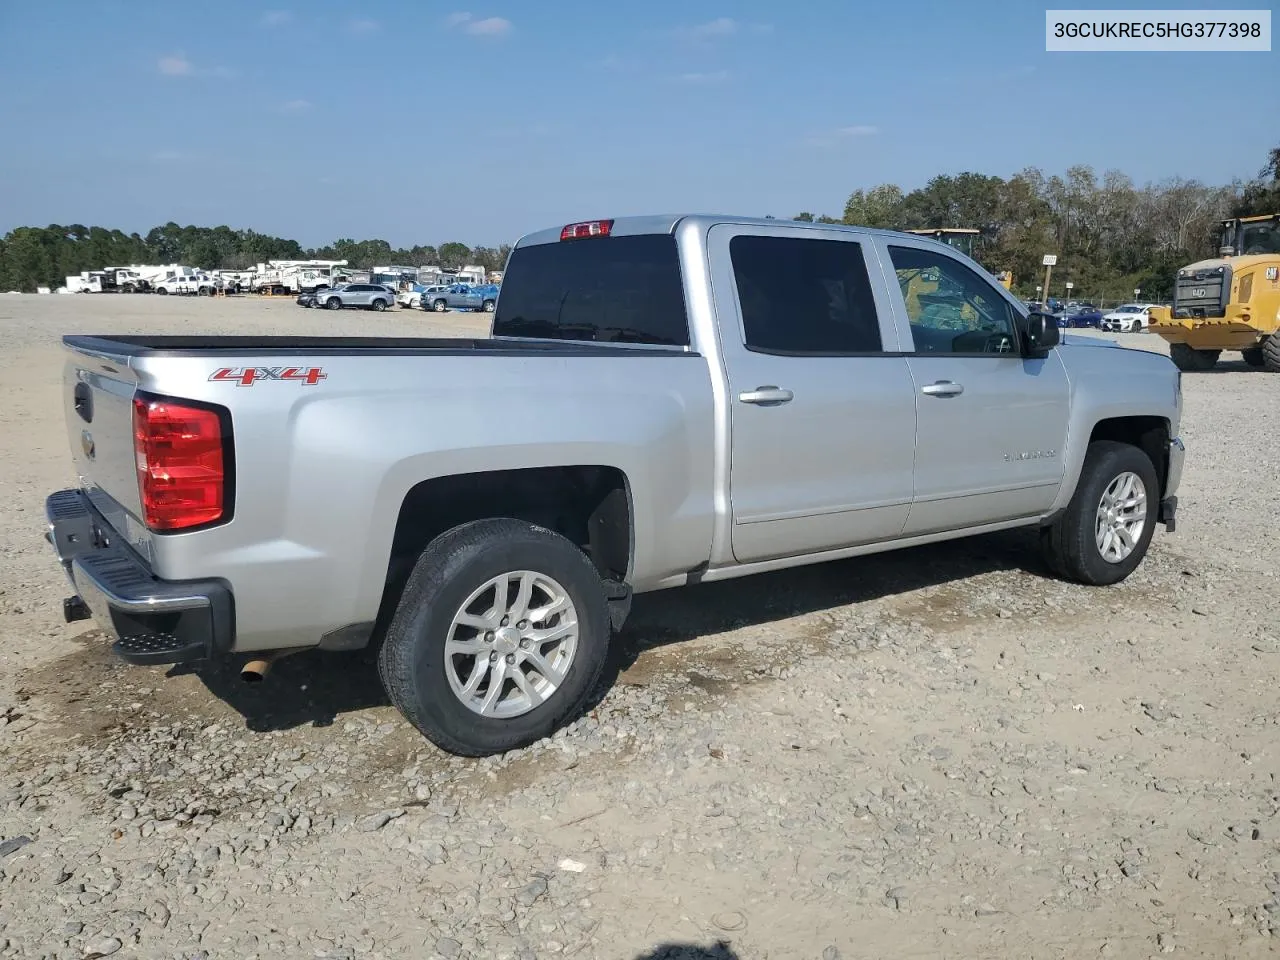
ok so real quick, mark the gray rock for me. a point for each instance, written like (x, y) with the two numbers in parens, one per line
(448, 947)
(532, 892)
(435, 853)
(374, 822)
(72, 928)
(13, 845)
(831, 953)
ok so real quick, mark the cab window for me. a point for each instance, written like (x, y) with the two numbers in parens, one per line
(950, 307)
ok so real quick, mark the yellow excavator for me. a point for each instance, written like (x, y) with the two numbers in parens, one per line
(1229, 303)
(962, 239)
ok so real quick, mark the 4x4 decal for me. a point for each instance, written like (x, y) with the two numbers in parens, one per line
(248, 376)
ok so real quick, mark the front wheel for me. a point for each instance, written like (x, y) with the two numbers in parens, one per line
(1271, 353)
(1190, 360)
(333, 303)
(1107, 526)
(499, 637)
(488, 306)
(440, 306)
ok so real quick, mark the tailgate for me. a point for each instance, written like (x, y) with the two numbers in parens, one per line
(98, 393)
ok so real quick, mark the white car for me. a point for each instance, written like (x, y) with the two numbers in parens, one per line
(1127, 318)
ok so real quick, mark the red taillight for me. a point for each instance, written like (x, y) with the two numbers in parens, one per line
(591, 228)
(181, 473)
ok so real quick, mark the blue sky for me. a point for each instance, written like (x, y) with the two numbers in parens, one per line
(422, 122)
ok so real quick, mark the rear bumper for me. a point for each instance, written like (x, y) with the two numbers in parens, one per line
(151, 620)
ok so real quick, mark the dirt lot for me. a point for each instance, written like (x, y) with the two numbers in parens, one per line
(940, 752)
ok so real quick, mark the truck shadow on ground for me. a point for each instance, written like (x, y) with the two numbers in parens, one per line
(689, 951)
(314, 688)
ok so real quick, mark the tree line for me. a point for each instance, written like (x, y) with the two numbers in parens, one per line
(32, 257)
(1110, 235)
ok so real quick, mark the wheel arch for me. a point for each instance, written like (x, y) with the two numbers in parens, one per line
(591, 505)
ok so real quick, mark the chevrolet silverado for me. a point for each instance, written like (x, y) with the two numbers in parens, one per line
(662, 401)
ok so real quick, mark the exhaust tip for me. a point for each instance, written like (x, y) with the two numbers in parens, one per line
(254, 671)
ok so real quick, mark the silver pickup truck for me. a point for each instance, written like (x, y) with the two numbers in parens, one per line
(663, 401)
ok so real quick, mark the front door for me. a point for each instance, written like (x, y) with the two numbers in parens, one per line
(821, 405)
(990, 424)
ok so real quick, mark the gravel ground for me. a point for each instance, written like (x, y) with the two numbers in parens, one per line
(935, 752)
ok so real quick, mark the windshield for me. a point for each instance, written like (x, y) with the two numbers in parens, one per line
(1260, 237)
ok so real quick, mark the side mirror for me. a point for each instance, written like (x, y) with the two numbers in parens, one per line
(1042, 333)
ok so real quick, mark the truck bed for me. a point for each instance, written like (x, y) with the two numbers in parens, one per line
(191, 346)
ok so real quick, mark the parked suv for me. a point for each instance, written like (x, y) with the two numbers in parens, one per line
(1130, 318)
(372, 296)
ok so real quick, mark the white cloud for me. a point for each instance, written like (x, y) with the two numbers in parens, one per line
(276, 18)
(717, 76)
(363, 26)
(177, 65)
(489, 27)
(296, 106)
(720, 27)
(174, 66)
(486, 27)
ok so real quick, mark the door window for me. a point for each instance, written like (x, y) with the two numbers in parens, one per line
(950, 307)
(804, 296)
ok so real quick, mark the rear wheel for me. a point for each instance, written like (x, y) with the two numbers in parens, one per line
(1254, 356)
(1107, 527)
(379, 305)
(500, 635)
(1191, 360)
(488, 306)
(1270, 350)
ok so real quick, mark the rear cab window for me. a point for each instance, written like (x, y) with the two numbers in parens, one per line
(612, 289)
(803, 296)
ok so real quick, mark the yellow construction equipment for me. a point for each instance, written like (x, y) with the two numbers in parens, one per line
(962, 239)
(1231, 302)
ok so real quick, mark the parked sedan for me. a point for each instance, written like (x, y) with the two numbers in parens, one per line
(1129, 318)
(306, 300)
(370, 296)
(1082, 316)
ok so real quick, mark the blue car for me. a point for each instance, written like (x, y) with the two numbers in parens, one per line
(1085, 317)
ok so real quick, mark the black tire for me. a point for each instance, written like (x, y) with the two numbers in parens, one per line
(1254, 357)
(333, 303)
(162, 291)
(379, 305)
(1270, 350)
(411, 661)
(1191, 360)
(440, 306)
(1069, 544)
(488, 306)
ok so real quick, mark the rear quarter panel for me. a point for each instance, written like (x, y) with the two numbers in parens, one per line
(321, 471)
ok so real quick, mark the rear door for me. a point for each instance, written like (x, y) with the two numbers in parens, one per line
(822, 407)
(990, 424)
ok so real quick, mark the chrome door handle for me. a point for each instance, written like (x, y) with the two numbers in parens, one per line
(766, 395)
(943, 388)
